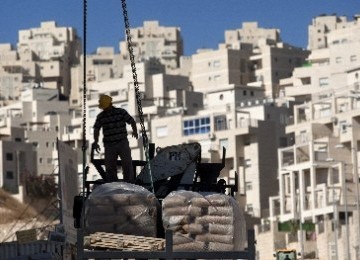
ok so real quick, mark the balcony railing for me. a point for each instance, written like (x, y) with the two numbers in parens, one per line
(301, 153)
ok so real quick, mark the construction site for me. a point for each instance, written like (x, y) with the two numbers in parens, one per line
(248, 151)
(175, 207)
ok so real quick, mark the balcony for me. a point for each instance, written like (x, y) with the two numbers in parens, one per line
(303, 153)
(72, 133)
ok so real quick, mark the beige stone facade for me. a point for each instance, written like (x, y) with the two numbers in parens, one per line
(318, 172)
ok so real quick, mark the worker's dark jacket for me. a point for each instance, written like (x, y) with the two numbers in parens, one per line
(113, 123)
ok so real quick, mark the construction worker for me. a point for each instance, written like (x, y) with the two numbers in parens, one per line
(113, 121)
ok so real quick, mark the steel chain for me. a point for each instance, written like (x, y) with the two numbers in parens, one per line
(137, 92)
(134, 74)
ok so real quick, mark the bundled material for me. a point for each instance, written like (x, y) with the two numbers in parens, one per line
(204, 222)
(121, 208)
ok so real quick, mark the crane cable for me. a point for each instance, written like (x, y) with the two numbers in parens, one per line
(137, 92)
(84, 141)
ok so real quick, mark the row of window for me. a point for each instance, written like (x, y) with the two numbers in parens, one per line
(47, 144)
(353, 58)
(49, 160)
(10, 157)
(196, 126)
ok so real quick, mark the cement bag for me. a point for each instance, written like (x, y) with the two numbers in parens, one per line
(121, 208)
(204, 221)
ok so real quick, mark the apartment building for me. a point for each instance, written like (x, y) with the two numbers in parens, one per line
(42, 117)
(18, 160)
(323, 25)
(219, 118)
(11, 75)
(216, 69)
(235, 114)
(271, 59)
(102, 65)
(273, 62)
(250, 33)
(223, 98)
(317, 208)
(160, 93)
(251, 132)
(155, 41)
(54, 50)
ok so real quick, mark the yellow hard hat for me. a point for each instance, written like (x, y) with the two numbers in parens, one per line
(105, 101)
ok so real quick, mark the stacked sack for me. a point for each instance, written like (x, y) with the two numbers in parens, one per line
(208, 222)
(121, 208)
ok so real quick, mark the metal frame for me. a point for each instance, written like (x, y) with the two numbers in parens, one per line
(203, 170)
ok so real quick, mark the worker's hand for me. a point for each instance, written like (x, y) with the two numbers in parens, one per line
(96, 147)
(135, 134)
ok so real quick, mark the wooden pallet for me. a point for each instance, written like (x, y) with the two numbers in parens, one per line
(103, 240)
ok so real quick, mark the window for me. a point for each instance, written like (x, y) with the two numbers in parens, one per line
(353, 58)
(9, 156)
(17, 139)
(9, 175)
(343, 126)
(224, 143)
(196, 126)
(220, 123)
(250, 208)
(217, 77)
(248, 186)
(92, 113)
(49, 160)
(323, 81)
(124, 106)
(162, 131)
(216, 63)
(247, 140)
(338, 59)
